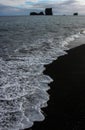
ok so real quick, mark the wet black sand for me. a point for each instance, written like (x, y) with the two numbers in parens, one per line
(66, 108)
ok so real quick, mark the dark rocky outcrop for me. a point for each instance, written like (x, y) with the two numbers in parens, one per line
(75, 14)
(35, 13)
(48, 11)
(41, 13)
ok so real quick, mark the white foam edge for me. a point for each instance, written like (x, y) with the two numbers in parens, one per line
(64, 43)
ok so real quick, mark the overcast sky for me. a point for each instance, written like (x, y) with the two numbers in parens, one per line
(23, 7)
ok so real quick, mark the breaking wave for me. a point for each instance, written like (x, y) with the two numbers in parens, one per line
(23, 86)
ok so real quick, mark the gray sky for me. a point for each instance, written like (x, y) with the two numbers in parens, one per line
(22, 7)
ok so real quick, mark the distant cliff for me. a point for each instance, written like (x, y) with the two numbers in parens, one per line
(48, 11)
(35, 13)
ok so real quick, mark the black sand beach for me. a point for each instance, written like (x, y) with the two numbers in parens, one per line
(66, 107)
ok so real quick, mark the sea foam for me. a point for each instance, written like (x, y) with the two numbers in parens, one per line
(23, 86)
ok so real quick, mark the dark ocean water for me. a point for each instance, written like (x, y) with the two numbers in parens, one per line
(27, 44)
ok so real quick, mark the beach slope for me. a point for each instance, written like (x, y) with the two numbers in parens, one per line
(66, 108)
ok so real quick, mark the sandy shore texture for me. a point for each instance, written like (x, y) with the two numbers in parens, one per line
(66, 107)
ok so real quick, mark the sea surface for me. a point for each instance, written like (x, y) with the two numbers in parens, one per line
(27, 43)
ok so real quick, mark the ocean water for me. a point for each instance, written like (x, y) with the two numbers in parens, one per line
(27, 43)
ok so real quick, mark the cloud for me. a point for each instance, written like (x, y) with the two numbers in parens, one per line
(63, 7)
(15, 2)
(7, 10)
(59, 6)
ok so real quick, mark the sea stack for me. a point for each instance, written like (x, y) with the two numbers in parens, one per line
(35, 13)
(48, 11)
(75, 14)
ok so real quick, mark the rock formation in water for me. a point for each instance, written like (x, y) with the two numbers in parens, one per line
(48, 11)
(35, 13)
(75, 13)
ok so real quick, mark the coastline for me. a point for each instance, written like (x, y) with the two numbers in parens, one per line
(66, 107)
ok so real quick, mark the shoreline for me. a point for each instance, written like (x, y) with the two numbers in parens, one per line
(66, 107)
